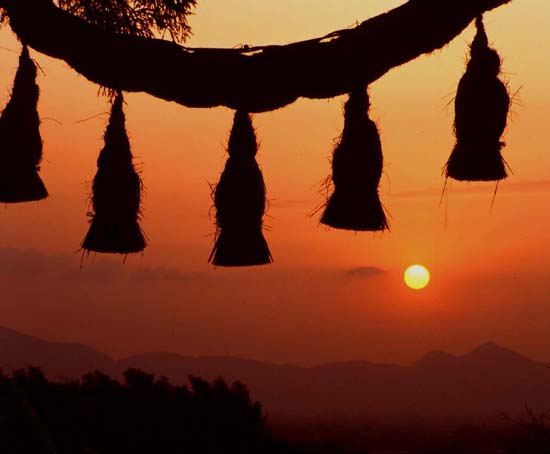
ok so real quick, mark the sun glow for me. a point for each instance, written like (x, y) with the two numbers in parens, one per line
(417, 277)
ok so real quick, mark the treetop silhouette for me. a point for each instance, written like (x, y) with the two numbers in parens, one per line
(141, 414)
(113, 44)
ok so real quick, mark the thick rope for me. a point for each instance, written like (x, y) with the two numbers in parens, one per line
(253, 79)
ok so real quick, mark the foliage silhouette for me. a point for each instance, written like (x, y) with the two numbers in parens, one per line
(145, 18)
(144, 414)
(534, 433)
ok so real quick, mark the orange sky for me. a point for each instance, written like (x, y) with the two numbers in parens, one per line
(330, 295)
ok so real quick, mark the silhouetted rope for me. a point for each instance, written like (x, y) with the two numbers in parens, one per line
(239, 198)
(20, 141)
(253, 79)
(264, 78)
(357, 165)
(481, 112)
(116, 196)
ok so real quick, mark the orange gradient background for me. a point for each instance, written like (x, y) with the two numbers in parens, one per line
(329, 295)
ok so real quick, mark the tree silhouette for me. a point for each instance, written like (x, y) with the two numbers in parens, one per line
(141, 415)
(534, 433)
(135, 17)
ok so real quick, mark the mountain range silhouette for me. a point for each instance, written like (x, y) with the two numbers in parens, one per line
(481, 383)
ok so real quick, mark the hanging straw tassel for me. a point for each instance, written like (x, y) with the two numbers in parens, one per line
(239, 198)
(356, 171)
(116, 194)
(20, 141)
(481, 111)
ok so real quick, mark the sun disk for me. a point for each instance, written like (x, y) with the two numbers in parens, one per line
(417, 277)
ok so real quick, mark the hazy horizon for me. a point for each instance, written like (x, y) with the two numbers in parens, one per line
(489, 343)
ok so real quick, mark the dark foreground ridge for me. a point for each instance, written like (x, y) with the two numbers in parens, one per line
(98, 414)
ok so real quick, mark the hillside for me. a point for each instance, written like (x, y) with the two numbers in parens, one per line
(482, 382)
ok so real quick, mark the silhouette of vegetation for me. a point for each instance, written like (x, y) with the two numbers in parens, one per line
(534, 435)
(145, 18)
(144, 414)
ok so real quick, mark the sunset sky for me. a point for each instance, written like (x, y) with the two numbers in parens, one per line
(330, 295)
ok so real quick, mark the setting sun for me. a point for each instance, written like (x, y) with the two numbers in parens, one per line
(417, 277)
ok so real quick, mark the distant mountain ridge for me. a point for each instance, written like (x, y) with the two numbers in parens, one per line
(482, 382)
(58, 359)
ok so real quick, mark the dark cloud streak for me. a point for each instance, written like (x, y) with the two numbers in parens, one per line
(364, 272)
(22, 263)
(541, 186)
